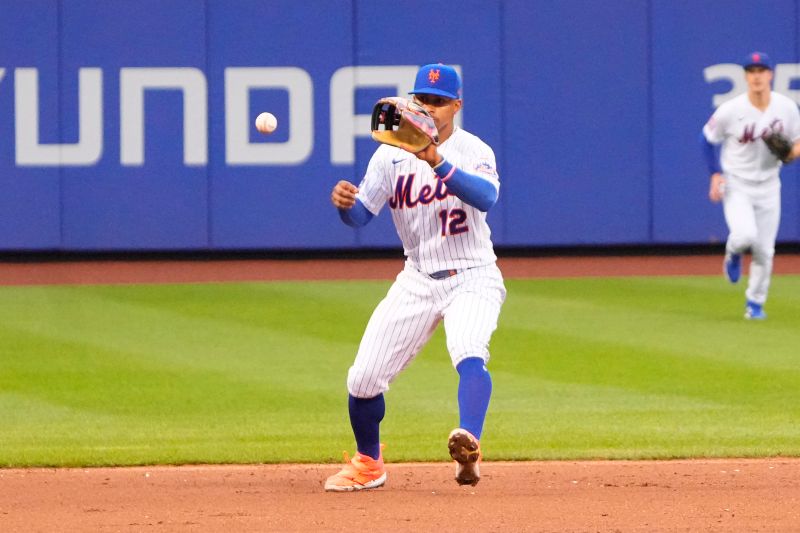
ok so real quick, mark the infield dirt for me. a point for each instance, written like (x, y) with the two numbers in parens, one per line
(712, 495)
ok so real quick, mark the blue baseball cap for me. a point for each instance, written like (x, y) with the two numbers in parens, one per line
(439, 79)
(757, 59)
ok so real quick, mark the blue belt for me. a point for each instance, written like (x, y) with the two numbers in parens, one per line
(443, 274)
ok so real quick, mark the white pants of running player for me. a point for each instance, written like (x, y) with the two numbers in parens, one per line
(753, 214)
(469, 304)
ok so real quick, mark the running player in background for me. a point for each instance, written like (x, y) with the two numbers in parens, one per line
(438, 199)
(745, 175)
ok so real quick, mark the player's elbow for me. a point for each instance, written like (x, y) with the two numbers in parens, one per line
(487, 198)
(484, 195)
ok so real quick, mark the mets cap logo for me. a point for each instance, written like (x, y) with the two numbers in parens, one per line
(433, 75)
(756, 57)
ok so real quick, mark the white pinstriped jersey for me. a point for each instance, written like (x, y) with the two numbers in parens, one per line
(740, 126)
(438, 230)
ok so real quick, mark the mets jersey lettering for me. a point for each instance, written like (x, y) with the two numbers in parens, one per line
(438, 230)
(749, 131)
(403, 197)
(739, 127)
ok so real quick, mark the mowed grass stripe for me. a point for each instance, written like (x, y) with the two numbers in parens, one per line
(672, 314)
(165, 375)
(178, 333)
(652, 367)
(255, 372)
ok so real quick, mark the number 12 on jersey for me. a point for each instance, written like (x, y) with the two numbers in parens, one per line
(454, 221)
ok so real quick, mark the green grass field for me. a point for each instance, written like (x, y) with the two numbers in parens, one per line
(255, 372)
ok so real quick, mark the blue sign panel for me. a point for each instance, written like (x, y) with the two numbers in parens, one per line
(130, 125)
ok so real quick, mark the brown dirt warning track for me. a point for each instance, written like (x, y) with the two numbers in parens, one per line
(645, 496)
(183, 271)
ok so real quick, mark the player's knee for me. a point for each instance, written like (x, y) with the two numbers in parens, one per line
(461, 348)
(473, 358)
(762, 254)
(743, 239)
(361, 385)
(363, 395)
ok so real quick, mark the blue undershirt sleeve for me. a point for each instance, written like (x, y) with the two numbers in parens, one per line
(711, 153)
(356, 216)
(472, 189)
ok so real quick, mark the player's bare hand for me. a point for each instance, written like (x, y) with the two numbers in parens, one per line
(343, 195)
(716, 189)
(430, 155)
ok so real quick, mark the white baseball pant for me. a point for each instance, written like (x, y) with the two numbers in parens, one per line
(469, 304)
(753, 214)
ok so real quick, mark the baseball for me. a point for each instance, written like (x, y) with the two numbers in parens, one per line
(266, 123)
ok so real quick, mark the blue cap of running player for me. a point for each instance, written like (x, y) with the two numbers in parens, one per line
(757, 59)
(439, 79)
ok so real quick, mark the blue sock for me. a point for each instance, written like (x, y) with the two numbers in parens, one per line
(474, 391)
(365, 418)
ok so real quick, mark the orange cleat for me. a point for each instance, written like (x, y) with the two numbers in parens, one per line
(466, 450)
(359, 473)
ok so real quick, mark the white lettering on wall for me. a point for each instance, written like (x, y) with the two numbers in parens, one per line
(191, 82)
(89, 147)
(785, 73)
(345, 125)
(726, 72)
(238, 122)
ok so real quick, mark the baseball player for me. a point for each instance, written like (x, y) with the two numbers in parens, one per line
(745, 174)
(438, 199)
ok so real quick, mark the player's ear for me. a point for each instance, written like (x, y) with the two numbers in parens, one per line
(458, 104)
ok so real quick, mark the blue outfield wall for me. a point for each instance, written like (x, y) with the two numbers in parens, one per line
(128, 125)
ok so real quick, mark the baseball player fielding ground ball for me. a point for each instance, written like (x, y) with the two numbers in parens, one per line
(758, 131)
(439, 182)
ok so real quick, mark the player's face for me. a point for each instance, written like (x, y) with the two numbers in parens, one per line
(758, 78)
(441, 109)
